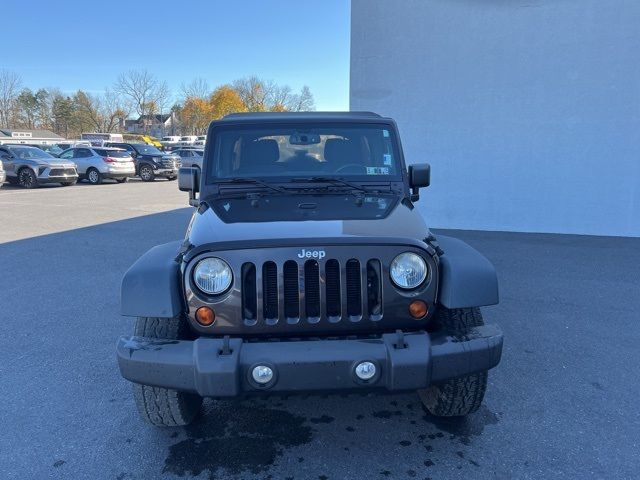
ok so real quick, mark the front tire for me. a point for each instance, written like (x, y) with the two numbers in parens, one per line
(463, 395)
(94, 176)
(165, 407)
(146, 173)
(27, 178)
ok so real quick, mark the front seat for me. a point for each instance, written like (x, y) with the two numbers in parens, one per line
(339, 152)
(259, 157)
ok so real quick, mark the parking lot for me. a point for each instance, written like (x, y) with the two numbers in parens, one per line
(563, 402)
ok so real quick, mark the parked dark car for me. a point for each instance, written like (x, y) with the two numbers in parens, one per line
(306, 266)
(150, 162)
(31, 167)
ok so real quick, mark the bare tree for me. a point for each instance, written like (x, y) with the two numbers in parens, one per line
(10, 83)
(197, 88)
(255, 93)
(114, 111)
(265, 95)
(146, 94)
(303, 101)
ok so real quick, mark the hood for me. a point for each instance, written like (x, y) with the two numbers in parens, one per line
(306, 217)
(53, 163)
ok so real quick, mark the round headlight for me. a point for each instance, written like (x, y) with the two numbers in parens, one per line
(212, 275)
(408, 270)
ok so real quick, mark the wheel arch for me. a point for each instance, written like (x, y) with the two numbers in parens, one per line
(152, 287)
(467, 278)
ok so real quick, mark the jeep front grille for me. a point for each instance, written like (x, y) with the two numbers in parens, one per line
(312, 290)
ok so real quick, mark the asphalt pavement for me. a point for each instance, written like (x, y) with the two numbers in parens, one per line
(562, 404)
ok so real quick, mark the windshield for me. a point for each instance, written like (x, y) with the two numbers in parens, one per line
(367, 152)
(30, 152)
(148, 150)
(53, 149)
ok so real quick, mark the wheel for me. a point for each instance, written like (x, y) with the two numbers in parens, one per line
(122, 180)
(27, 178)
(68, 184)
(94, 176)
(165, 407)
(146, 173)
(463, 395)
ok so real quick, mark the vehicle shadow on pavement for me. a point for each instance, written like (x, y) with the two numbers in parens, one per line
(320, 436)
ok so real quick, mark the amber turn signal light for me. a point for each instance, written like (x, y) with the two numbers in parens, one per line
(418, 309)
(205, 316)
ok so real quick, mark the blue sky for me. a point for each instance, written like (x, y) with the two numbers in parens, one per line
(73, 45)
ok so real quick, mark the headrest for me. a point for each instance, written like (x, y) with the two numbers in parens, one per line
(339, 150)
(261, 153)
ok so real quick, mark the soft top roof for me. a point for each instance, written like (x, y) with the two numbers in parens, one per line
(299, 116)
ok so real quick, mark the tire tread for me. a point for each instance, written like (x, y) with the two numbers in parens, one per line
(463, 395)
(164, 407)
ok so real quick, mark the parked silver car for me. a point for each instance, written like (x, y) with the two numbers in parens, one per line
(31, 167)
(97, 163)
(190, 157)
(3, 176)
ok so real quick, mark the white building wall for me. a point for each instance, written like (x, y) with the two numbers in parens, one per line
(527, 110)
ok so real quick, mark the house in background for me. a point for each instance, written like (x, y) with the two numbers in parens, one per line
(154, 125)
(28, 136)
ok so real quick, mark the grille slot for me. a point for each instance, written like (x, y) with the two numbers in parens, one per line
(270, 291)
(374, 289)
(332, 282)
(312, 290)
(249, 294)
(291, 293)
(354, 290)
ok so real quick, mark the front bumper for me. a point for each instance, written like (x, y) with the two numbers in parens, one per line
(165, 172)
(212, 367)
(58, 179)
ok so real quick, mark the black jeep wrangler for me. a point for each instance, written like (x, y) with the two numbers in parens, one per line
(307, 267)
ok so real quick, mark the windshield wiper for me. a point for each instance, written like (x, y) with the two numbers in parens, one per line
(254, 181)
(333, 180)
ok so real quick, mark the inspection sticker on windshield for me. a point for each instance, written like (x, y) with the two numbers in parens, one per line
(386, 159)
(377, 171)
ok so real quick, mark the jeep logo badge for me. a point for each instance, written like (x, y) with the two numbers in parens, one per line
(311, 254)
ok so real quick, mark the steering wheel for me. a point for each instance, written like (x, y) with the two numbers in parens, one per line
(351, 166)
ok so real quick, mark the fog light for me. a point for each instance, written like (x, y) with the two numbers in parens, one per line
(418, 309)
(205, 316)
(262, 374)
(365, 370)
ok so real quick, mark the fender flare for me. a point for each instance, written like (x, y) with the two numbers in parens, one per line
(467, 278)
(152, 287)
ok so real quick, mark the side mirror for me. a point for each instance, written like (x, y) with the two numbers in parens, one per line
(419, 176)
(188, 181)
